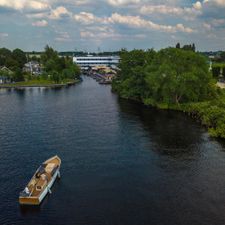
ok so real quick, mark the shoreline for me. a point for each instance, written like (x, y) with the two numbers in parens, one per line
(17, 85)
(197, 111)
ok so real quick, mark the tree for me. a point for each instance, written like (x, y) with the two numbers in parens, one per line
(20, 57)
(222, 56)
(18, 75)
(4, 55)
(55, 76)
(130, 81)
(170, 76)
(178, 45)
(216, 71)
(59, 67)
(193, 47)
(177, 76)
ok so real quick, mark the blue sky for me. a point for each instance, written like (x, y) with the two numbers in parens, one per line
(111, 24)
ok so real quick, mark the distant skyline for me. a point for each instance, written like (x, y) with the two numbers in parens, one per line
(109, 25)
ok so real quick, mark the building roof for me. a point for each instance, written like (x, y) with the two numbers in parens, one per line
(4, 68)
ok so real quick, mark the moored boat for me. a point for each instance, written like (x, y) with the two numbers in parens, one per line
(41, 183)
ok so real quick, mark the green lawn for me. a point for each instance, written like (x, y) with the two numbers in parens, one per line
(38, 83)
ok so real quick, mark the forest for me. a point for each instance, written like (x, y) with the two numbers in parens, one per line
(173, 79)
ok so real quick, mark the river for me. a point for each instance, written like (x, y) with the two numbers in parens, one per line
(122, 164)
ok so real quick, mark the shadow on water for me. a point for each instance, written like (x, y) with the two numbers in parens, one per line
(29, 210)
(172, 133)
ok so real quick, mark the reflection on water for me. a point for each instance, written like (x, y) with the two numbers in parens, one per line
(122, 163)
(171, 132)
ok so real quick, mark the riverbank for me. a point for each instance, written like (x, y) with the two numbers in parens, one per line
(211, 114)
(40, 83)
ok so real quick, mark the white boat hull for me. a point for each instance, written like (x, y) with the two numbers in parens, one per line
(41, 183)
(46, 191)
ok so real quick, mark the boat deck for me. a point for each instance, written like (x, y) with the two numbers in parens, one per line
(38, 184)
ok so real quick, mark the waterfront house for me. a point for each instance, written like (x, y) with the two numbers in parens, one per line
(33, 67)
(5, 75)
(5, 80)
(4, 69)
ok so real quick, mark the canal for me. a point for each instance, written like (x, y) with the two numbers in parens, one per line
(122, 164)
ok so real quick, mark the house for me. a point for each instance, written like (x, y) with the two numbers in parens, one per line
(4, 69)
(32, 67)
(5, 74)
(5, 80)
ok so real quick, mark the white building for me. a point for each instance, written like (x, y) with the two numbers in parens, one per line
(90, 61)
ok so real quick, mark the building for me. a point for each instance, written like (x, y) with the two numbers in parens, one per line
(91, 61)
(5, 80)
(5, 75)
(33, 67)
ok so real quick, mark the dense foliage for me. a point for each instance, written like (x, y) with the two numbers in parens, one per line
(170, 76)
(14, 60)
(218, 70)
(54, 68)
(58, 68)
(186, 47)
(210, 113)
(173, 78)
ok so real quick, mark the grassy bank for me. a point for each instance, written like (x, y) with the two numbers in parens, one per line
(174, 79)
(211, 114)
(40, 83)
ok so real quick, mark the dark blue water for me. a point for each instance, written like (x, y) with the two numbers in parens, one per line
(122, 164)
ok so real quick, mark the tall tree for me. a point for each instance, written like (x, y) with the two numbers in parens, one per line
(178, 45)
(19, 56)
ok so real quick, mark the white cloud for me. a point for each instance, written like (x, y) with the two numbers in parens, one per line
(215, 2)
(207, 26)
(100, 33)
(3, 35)
(197, 5)
(25, 4)
(138, 22)
(40, 23)
(218, 22)
(86, 18)
(183, 12)
(37, 15)
(131, 21)
(63, 37)
(89, 18)
(123, 2)
(59, 13)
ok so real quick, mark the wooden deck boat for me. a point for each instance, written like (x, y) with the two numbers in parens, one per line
(40, 184)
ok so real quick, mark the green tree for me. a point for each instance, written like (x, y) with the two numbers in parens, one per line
(59, 67)
(20, 57)
(130, 82)
(177, 76)
(4, 55)
(170, 76)
(178, 45)
(55, 76)
(222, 56)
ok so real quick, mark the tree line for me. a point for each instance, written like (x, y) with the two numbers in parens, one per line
(173, 78)
(13, 60)
(58, 68)
(169, 76)
(53, 67)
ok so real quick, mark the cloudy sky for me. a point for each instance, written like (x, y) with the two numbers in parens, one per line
(93, 25)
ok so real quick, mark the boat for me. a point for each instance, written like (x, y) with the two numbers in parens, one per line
(41, 183)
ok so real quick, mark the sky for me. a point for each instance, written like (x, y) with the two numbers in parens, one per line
(109, 25)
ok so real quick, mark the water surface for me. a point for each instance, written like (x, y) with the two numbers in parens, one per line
(122, 164)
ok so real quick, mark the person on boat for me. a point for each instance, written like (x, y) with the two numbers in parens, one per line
(27, 191)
